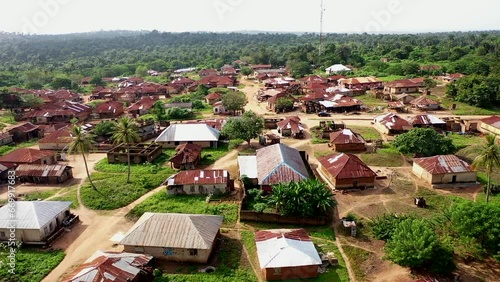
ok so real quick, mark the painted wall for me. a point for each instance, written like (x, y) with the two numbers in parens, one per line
(281, 273)
(171, 254)
(443, 178)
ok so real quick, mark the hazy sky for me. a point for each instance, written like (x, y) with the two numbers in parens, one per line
(67, 16)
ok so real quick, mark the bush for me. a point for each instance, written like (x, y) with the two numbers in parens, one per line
(383, 226)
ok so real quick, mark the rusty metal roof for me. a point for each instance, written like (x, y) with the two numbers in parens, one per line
(189, 177)
(26, 155)
(38, 170)
(292, 123)
(109, 266)
(412, 82)
(145, 103)
(346, 166)
(186, 153)
(280, 163)
(393, 121)
(426, 119)
(173, 230)
(423, 100)
(109, 107)
(493, 121)
(62, 135)
(346, 136)
(443, 164)
(25, 127)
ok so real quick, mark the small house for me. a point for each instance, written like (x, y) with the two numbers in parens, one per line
(213, 98)
(490, 125)
(291, 127)
(423, 103)
(364, 83)
(5, 138)
(346, 171)
(25, 132)
(411, 85)
(404, 98)
(337, 68)
(286, 254)
(143, 106)
(114, 266)
(219, 109)
(29, 156)
(197, 133)
(37, 222)
(187, 156)
(346, 140)
(199, 182)
(57, 140)
(391, 124)
(452, 77)
(443, 169)
(44, 174)
(174, 236)
(428, 121)
(109, 109)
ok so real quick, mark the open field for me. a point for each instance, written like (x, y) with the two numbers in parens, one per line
(32, 265)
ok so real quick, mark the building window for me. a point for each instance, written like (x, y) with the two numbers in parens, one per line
(191, 189)
(277, 271)
(2, 234)
(193, 252)
(176, 143)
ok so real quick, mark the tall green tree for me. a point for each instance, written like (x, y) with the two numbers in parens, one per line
(234, 101)
(158, 110)
(82, 143)
(488, 158)
(125, 132)
(423, 142)
(246, 127)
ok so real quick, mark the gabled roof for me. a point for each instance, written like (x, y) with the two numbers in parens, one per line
(109, 107)
(145, 103)
(360, 80)
(426, 119)
(188, 132)
(39, 170)
(109, 266)
(214, 95)
(346, 136)
(346, 166)
(423, 100)
(292, 123)
(25, 155)
(62, 135)
(285, 248)
(412, 82)
(33, 214)
(493, 121)
(209, 176)
(393, 121)
(173, 230)
(25, 127)
(186, 153)
(279, 163)
(443, 164)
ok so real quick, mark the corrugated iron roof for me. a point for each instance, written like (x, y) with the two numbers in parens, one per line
(346, 166)
(393, 121)
(443, 164)
(426, 119)
(172, 230)
(248, 166)
(62, 135)
(292, 123)
(412, 82)
(25, 127)
(285, 248)
(188, 132)
(40, 170)
(186, 153)
(346, 136)
(32, 214)
(26, 155)
(109, 107)
(493, 121)
(423, 100)
(109, 266)
(280, 163)
(190, 177)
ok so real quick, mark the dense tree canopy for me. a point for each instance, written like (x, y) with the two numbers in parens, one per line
(246, 127)
(476, 90)
(424, 142)
(234, 101)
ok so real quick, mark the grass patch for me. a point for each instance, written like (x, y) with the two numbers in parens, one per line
(370, 100)
(230, 266)
(387, 157)
(31, 265)
(356, 258)
(368, 133)
(7, 117)
(390, 78)
(161, 202)
(461, 141)
(71, 195)
(4, 150)
(42, 195)
(210, 155)
(465, 109)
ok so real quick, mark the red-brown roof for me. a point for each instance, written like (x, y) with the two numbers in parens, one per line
(314, 79)
(213, 96)
(493, 121)
(62, 135)
(394, 122)
(217, 176)
(145, 103)
(39, 170)
(413, 82)
(25, 155)
(186, 153)
(109, 107)
(423, 100)
(25, 127)
(346, 166)
(443, 164)
(292, 123)
(346, 136)
(294, 234)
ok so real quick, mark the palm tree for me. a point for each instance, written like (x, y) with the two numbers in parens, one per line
(488, 158)
(125, 132)
(82, 143)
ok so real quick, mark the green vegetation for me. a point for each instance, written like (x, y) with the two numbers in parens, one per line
(388, 157)
(371, 101)
(4, 150)
(356, 258)
(71, 195)
(189, 204)
(475, 90)
(7, 117)
(246, 127)
(368, 132)
(125, 132)
(416, 143)
(210, 155)
(461, 140)
(31, 265)
(42, 195)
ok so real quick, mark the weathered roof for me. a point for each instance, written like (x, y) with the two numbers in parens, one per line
(292, 123)
(25, 127)
(337, 68)
(443, 164)
(62, 135)
(214, 95)
(32, 214)
(187, 177)
(360, 80)
(423, 100)
(25, 155)
(248, 166)
(186, 153)
(173, 230)
(145, 103)
(285, 248)
(340, 100)
(109, 107)
(39, 170)
(426, 119)
(346, 166)
(412, 82)
(5, 135)
(346, 136)
(109, 266)
(393, 121)
(493, 121)
(188, 132)
(279, 163)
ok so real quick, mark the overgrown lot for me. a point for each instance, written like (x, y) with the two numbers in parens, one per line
(31, 265)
